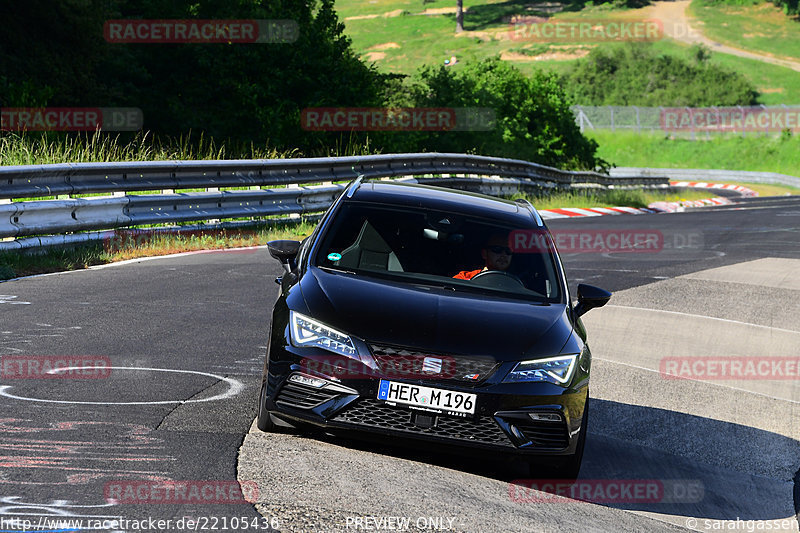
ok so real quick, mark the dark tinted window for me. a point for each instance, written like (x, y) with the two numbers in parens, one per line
(442, 248)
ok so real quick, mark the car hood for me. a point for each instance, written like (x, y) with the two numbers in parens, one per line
(435, 319)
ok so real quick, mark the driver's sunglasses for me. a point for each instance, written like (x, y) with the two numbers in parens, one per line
(500, 249)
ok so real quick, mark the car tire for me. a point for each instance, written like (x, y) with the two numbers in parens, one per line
(566, 467)
(264, 420)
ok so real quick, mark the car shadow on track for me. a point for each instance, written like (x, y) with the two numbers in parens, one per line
(703, 468)
(708, 468)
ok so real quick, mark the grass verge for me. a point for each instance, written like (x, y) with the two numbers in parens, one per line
(58, 147)
(767, 189)
(49, 148)
(610, 198)
(760, 27)
(779, 154)
(136, 244)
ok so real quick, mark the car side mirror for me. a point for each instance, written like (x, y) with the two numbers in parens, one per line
(590, 297)
(285, 252)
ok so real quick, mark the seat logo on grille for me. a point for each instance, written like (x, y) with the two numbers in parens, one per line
(432, 365)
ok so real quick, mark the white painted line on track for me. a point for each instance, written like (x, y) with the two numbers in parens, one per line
(603, 269)
(705, 317)
(235, 387)
(12, 300)
(714, 383)
(170, 256)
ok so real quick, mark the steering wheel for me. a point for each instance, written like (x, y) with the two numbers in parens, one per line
(498, 279)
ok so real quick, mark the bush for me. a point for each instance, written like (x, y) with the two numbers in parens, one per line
(533, 119)
(635, 74)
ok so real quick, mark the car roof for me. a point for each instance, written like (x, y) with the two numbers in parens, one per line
(441, 199)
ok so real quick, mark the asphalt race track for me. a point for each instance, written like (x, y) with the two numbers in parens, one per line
(184, 338)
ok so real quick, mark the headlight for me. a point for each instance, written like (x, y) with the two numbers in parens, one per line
(307, 332)
(556, 370)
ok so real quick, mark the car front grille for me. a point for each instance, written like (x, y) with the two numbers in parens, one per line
(303, 396)
(374, 413)
(551, 435)
(410, 364)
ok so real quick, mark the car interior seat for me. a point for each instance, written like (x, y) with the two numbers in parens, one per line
(370, 251)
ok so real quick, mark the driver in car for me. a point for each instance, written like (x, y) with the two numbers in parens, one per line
(496, 254)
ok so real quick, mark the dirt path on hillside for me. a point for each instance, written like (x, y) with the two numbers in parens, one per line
(680, 27)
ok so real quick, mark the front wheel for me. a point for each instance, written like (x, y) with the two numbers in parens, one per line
(264, 420)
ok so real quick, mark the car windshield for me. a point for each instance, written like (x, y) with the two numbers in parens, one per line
(442, 248)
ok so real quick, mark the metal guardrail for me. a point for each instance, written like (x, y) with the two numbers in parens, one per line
(84, 178)
(55, 216)
(41, 217)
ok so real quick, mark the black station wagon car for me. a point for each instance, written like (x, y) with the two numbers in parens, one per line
(436, 315)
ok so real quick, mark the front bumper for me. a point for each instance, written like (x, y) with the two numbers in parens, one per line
(501, 422)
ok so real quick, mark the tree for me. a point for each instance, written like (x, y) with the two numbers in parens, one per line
(244, 92)
(459, 16)
(533, 119)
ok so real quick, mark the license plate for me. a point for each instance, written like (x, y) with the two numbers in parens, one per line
(427, 398)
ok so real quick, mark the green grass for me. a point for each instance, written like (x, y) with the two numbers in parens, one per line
(768, 189)
(759, 27)
(430, 39)
(420, 40)
(130, 245)
(414, 39)
(40, 149)
(609, 198)
(754, 152)
(776, 85)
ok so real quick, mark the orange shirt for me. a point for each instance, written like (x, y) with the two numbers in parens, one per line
(468, 274)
